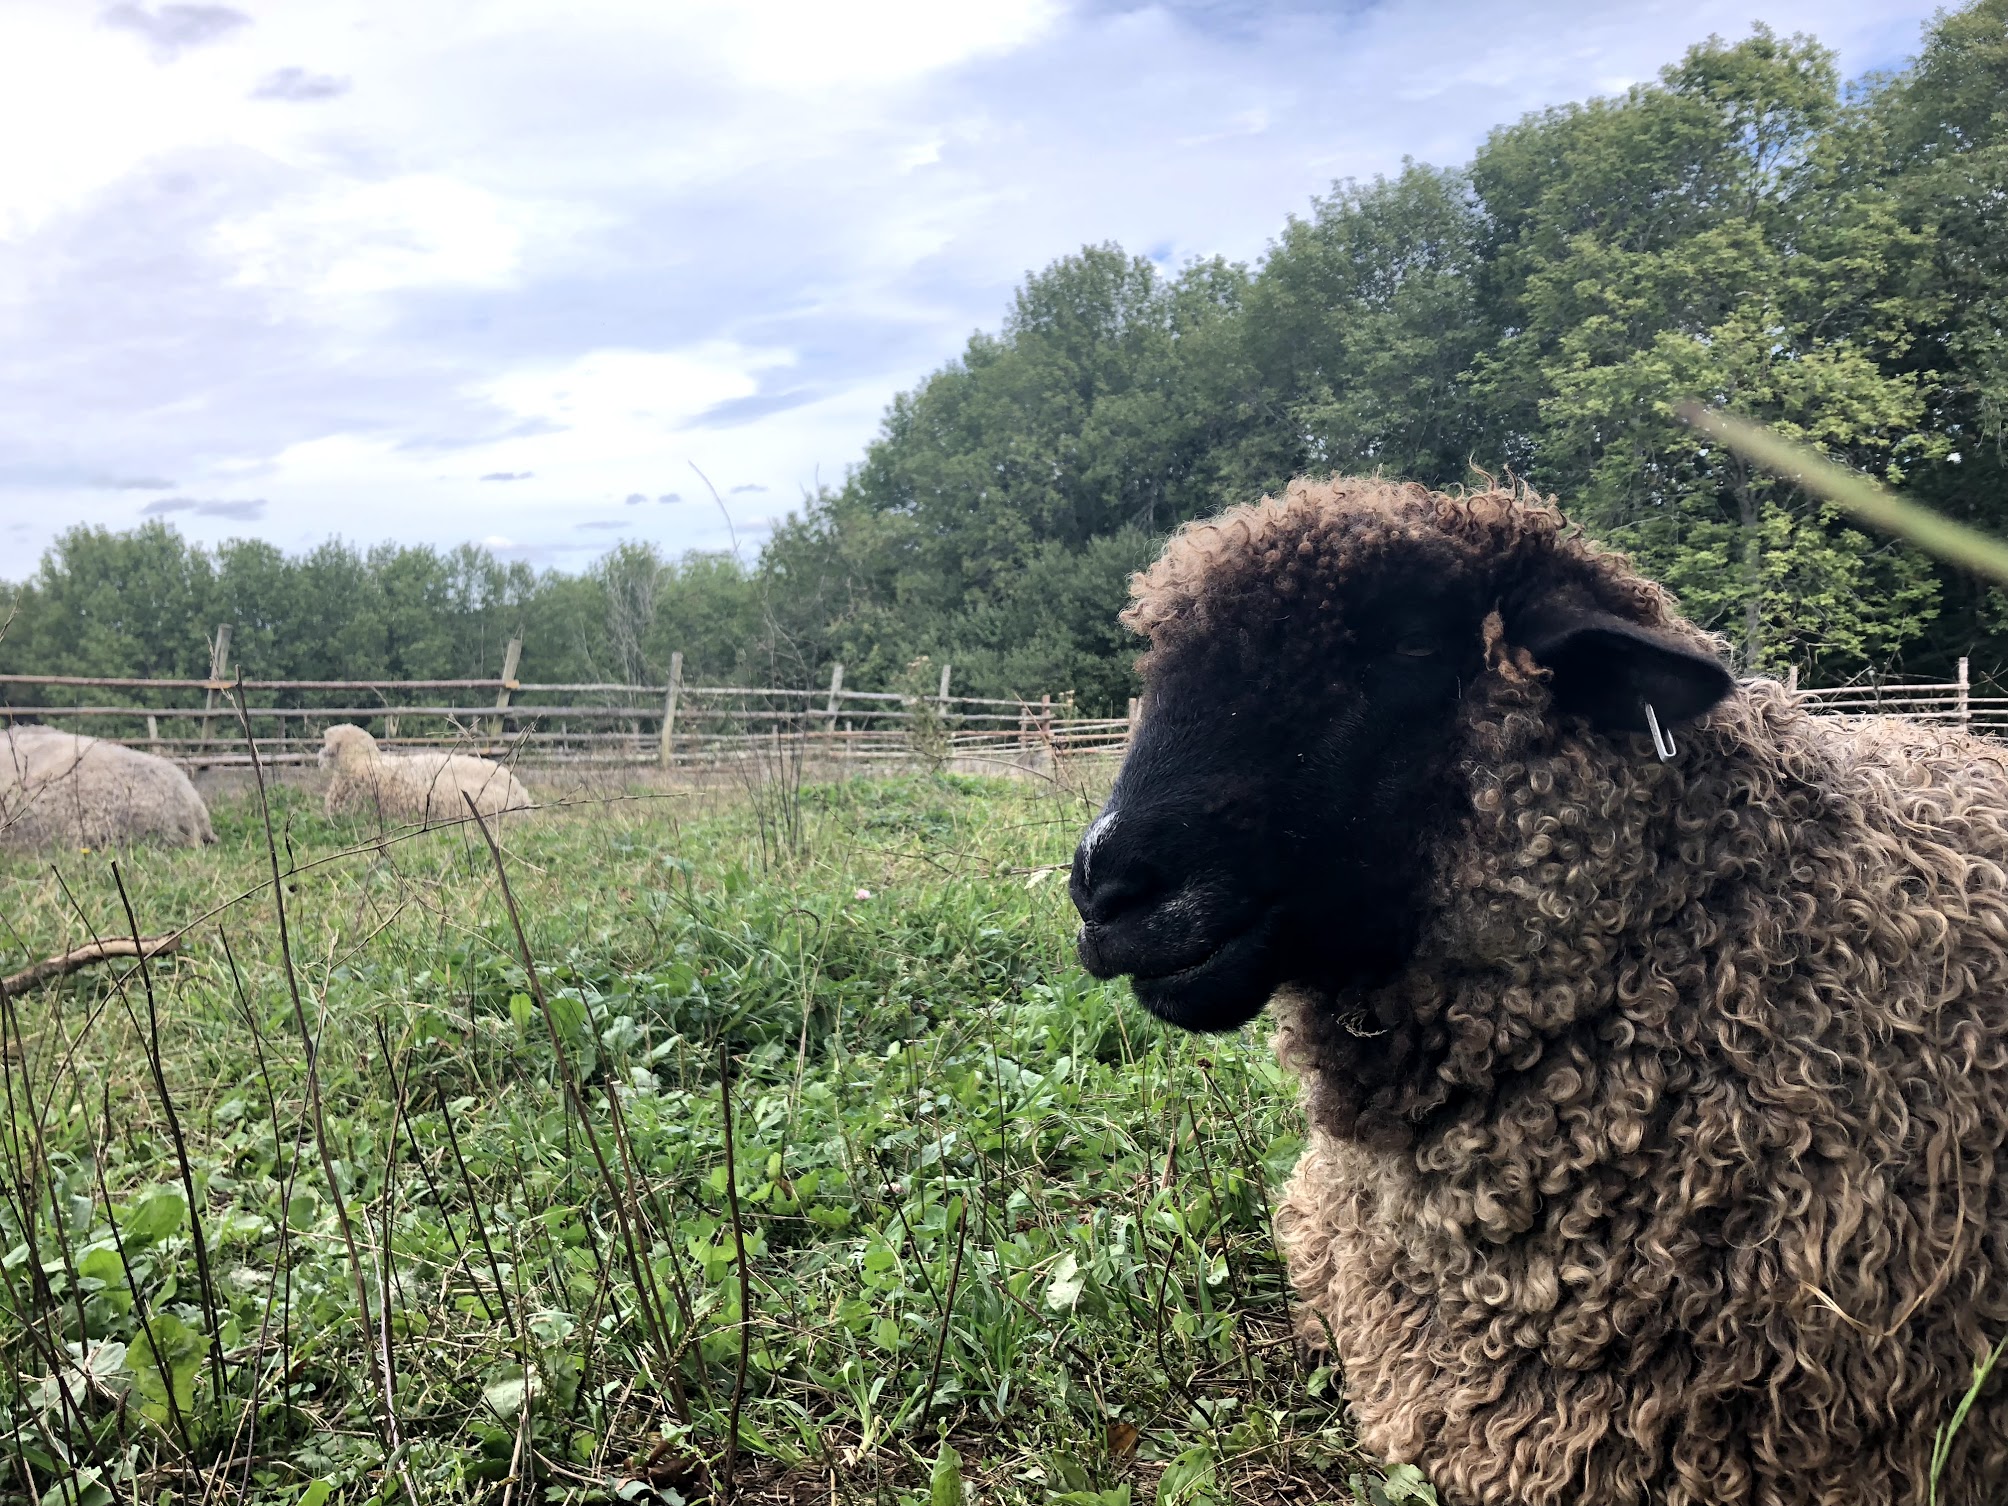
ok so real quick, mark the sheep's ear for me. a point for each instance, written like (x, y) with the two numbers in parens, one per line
(1608, 670)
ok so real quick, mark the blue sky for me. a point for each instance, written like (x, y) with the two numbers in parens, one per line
(545, 274)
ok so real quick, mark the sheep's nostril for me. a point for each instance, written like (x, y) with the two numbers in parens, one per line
(1113, 893)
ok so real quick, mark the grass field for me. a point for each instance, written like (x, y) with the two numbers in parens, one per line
(804, 1116)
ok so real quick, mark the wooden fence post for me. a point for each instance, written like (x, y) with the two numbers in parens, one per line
(1965, 698)
(219, 661)
(666, 758)
(836, 690)
(511, 657)
(153, 731)
(1792, 678)
(942, 694)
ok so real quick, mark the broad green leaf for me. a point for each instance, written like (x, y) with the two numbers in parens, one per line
(160, 1213)
(107, 1358)
(1189, 1480)
(507, 1395)
(1405, 1482)
(165, 1358)
(101, 1263)
(1065, 1288)
(85, 1488)
(944, 1485)
(1066, 1473)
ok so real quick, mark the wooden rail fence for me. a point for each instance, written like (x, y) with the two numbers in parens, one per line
(194, 722)
(1954, 701)
(676, 725)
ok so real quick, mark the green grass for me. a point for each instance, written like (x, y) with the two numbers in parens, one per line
(980, 1196)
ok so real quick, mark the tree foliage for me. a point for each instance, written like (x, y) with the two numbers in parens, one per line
(145, 603)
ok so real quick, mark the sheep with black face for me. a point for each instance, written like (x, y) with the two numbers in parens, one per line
(1656, 1103)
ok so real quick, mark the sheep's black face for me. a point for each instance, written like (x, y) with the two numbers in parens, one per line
(1292, 780)
(1270, 823)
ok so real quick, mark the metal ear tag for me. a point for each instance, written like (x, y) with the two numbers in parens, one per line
(1662, 744)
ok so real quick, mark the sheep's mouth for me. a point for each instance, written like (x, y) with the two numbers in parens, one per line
(1222, 990)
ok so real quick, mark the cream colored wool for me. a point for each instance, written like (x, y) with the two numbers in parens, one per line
(411, 786)
(59, 789)
(1671, 1168)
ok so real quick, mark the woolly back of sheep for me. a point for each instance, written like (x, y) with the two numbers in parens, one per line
(412, 786)
(1318, 535)
(62, 790)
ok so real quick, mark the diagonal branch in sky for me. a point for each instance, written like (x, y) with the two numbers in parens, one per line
(722, 509)
(1860, 496)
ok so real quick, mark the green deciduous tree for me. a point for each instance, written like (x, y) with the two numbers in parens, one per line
(1362, 329)
(1708, 237)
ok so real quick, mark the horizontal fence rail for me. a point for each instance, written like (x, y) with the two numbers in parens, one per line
(672, 725)
(1951, 701)
(669, 725)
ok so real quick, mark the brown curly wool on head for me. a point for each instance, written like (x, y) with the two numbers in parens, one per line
(1659, 1108)
(1310, 549)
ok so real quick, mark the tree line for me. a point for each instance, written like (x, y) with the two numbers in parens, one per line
(144, 602)
(1829, 260)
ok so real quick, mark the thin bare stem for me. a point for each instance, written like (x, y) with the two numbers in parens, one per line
(948, 1312)
(132, 1286)
(726, 1481)
(637, 1267)
(204, 1280)
(1866, 499)
(474, 1210)
(284, 1173)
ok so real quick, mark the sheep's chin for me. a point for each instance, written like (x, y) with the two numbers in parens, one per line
(1224, 990)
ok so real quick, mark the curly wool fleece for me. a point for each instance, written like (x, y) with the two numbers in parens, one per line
(1670, 1169)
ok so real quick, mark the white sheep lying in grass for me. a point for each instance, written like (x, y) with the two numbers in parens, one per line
(412, 786)
(61, 789)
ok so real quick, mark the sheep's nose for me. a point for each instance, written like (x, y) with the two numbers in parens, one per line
(1102, 885)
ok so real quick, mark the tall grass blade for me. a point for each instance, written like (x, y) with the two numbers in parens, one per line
(1854, 493)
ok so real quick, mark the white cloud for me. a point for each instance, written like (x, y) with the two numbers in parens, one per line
(417, 231)
(796, 44)
(172, 29)
(299, 86)
(613, 399)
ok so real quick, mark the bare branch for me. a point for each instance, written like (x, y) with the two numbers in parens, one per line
(65, 963)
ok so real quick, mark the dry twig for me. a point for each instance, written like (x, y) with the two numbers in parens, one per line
(65, 963)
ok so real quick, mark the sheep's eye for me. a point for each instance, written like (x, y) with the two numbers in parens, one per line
(1415, 648)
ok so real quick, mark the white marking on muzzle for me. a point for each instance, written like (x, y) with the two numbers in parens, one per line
(1090, 840)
